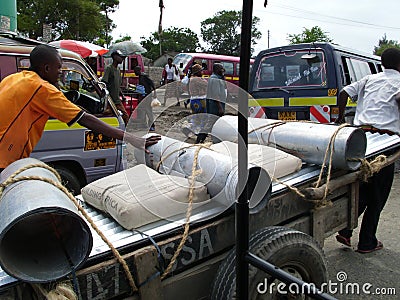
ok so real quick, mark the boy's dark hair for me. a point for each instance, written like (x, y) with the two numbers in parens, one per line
(42, 54)
(391, 58)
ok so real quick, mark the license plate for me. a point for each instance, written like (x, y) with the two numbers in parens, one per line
(287, 115)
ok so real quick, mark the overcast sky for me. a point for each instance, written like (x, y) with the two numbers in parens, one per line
(353, 24)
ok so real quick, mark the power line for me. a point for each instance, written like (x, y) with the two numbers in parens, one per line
(349, 21)
(332, 22)
(337, 18)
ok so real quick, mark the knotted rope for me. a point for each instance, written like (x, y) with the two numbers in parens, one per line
(195, 172)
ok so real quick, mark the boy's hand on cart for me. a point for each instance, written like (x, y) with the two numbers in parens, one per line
(142, 143)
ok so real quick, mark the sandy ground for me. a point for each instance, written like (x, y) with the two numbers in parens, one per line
(377, 273)
(380, 269)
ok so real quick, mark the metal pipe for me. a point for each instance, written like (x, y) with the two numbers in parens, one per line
(42, 235)
(305, 140)
(287, 278)
(219, 172)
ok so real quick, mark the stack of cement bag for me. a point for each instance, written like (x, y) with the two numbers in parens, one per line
(158, 188)
(140, 196)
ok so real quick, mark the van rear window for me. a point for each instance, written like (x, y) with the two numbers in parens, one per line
(291, 69)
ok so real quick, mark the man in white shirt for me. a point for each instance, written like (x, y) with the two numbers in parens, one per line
(377, 111)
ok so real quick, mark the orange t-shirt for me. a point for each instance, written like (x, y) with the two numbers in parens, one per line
(26, 103)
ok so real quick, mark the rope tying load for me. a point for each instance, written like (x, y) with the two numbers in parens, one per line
(367, 169)
(195, 172)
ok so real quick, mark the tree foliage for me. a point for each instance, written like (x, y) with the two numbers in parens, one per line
(221, 33)
(384, 43)
(172, 40)
(70, 19)
(315, 34)
(123, 38)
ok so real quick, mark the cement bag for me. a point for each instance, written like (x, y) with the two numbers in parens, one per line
(276, 162)
(140, 196)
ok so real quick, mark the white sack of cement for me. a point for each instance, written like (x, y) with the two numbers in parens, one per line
(276, 162)
(140, 196)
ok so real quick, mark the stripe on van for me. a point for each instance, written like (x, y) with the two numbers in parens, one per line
(351, 102)
(267, 102)
(309, 101)
(54, 124)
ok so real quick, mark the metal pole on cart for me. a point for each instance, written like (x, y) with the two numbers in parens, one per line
(243, 256)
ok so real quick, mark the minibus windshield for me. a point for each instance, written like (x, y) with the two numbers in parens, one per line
(293, 69)
(181, 60)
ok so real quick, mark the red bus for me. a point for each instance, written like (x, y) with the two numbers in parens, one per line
(231, 65)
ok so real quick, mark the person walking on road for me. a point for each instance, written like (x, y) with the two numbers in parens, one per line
(170, 73)
(216, 99)
(377, 111)
(197, 90)
(29, 98)
(113, 80)
(149, 88)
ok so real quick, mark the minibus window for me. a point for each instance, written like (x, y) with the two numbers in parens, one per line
(346, 71)
(372, 67)
(352, 74)
(204, 65)
(361, 68)
(75, 77)
(228, 68)
(294, 70)
(134, 62)
(182, 59)
(23, 64)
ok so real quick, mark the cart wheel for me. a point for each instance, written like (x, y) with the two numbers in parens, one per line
(291, 250)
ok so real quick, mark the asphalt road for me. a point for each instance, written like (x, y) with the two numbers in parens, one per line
(377, 272)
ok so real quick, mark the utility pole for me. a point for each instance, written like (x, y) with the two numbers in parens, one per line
(161, 5)
(106, 28)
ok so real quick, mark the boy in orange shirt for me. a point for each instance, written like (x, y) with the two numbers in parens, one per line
(29, 98)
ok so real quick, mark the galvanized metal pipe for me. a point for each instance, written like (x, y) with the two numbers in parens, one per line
(308, 141)
(42, 236)
(218, 171)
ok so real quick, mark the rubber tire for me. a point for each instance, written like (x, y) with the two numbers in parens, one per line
(286, 248)
(69, 180)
